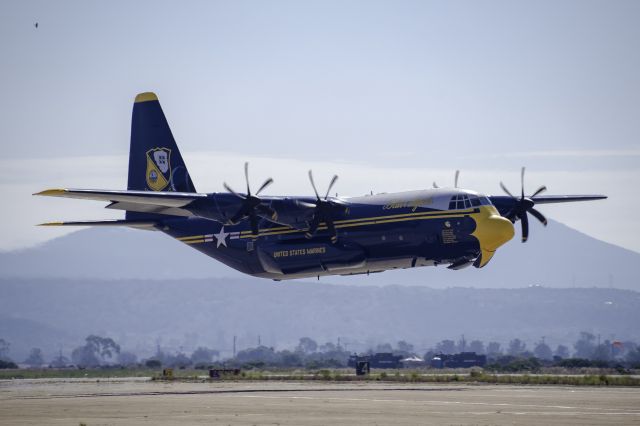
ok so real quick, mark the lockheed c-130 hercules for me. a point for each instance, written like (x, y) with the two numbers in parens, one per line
(284, 237)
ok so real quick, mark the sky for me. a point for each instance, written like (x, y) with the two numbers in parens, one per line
(390, 95)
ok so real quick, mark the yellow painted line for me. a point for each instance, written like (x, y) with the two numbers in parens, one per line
(368, 219)
(198, 241)
(349, 223)
(373, 222)
(194, 237)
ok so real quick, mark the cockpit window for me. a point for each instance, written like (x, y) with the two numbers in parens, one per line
(464, 201)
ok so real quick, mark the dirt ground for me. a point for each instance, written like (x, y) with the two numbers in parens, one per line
(142, 402)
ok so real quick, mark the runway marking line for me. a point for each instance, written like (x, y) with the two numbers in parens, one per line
(432, 402)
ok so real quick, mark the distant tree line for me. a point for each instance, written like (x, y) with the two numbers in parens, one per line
(587, 351)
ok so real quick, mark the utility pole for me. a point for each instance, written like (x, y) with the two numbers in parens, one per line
(234, 346)
(259, 343)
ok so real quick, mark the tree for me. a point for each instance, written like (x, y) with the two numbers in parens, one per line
(476, 346)
(127, 358)
(35, 358)
(405, 348)
(259, 354)
(562, 352)
(384, 348)
(179, 360)
(516, 347)
(446, 347)
(328, 347)
(4, 349)
(7, 364)
(585, 346)
(543, 351)
(203, 355)
(153, 363)
(95, 351)
(60, 361)
(493, 349)
(633, 357)
(602, 352)
(103, 346)
(307, 345)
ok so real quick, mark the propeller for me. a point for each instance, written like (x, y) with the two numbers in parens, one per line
(455, 180)
(524, 205)
(252, 206)
(324, 209)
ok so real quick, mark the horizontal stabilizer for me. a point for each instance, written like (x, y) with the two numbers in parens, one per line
(140, 224)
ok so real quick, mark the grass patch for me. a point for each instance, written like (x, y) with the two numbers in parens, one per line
(337, 375)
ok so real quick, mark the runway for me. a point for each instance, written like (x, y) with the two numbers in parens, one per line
(142, 402)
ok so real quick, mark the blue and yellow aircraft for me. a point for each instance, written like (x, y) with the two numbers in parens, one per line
(284, 237)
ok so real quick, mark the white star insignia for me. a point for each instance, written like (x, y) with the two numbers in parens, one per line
(221, 237)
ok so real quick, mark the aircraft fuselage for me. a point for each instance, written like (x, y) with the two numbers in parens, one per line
(375, 233)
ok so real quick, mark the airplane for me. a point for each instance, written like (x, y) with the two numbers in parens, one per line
(288, 237)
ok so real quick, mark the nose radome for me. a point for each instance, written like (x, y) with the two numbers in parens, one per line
(499, 230)
(492, 231)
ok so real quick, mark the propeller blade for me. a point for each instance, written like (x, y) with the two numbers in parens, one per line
(538, 216)
(313, 184)
(305, 204)
(332, 230)
(254, 224)
(522, 181)
(228, 188)
(267, 211)
(524, 221)
(239, 215)
(456, 179)
(504, 188)
(539, 191)
(333, 181)
(313, 227)
(264, 185)
(246, 176)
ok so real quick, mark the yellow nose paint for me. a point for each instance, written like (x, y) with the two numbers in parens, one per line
(492, 231)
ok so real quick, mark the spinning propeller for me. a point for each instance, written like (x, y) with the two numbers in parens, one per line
(524, 205)
(455, 180)
(252, 206)
(324, 209)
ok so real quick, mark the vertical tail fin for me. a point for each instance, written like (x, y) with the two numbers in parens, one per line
(155, 163)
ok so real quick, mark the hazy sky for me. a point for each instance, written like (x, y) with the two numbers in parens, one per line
(390, 95)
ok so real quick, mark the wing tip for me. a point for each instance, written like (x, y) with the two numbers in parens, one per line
(146, 97)
(51, 192)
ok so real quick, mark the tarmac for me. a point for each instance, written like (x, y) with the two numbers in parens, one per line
(138, 401)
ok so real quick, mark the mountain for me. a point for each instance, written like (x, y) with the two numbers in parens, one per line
(556, 256)
(56, 314)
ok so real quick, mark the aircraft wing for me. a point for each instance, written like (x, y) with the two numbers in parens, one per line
(138, 224)
(168, 203)
(548, 199)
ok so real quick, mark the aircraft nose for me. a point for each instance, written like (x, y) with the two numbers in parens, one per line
(492, 231)
(498, 230)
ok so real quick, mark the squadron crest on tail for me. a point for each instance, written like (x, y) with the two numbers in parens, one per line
(158, 168)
